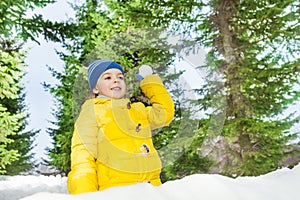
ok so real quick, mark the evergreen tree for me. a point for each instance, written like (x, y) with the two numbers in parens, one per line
(254, 53)
(178, 143)
(16, 21)
(15, 29)
(23, 141)
(60, 153)
(9, 76)
(259, 80)
(19, 141)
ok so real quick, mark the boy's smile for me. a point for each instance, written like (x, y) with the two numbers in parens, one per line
(116, 88)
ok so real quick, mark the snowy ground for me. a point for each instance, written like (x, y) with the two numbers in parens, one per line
(283, 184)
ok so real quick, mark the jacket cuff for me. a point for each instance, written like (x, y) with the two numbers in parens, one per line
(151, 79)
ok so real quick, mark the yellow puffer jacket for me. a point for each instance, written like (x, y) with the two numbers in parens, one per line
(112, 143)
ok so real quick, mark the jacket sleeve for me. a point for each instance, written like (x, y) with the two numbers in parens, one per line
(161, 112)
(83, 177)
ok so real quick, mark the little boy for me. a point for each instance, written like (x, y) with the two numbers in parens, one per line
(112, 141)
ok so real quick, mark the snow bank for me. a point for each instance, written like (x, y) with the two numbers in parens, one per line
(282, 184)
(16, 187)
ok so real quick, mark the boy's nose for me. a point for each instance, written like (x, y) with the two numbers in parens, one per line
(116, 80)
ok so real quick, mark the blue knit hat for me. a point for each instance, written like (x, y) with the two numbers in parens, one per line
(97, 67)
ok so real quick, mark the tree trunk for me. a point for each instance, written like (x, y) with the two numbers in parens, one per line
(238, 106)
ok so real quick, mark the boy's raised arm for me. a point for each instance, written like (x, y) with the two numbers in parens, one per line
(161, 112)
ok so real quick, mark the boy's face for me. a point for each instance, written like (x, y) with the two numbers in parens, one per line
(111, 84)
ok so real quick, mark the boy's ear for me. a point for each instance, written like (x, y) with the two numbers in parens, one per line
(95, 91)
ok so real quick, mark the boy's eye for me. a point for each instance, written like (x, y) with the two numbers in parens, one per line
(107, 78)
(121, 77)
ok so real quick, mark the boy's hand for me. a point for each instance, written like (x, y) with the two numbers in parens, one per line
(144, 71)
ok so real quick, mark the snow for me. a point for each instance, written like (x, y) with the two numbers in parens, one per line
(282, 184)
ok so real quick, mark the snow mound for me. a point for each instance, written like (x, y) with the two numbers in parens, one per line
(16, 187)
(282, 184)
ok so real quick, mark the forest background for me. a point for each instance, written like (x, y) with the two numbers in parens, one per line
(251, 79)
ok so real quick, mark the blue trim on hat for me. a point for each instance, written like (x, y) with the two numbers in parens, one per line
(97, 67)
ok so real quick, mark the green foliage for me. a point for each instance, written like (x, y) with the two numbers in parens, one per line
(60, 154)
(15, 28)
(16, 19)
(254, 55)
(10, 74)
(181, 157)
(13, 101)
(187, 164)
(178, 144)
(8, 126)
(23, 142)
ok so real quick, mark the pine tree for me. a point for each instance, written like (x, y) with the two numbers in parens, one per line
(178, 143)
(19, 141)
(259, 80)
(15, 29)
(59, 155)
(22, 141)
(8, 121)
(254, 53)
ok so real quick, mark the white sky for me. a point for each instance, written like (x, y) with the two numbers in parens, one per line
(39, 101)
